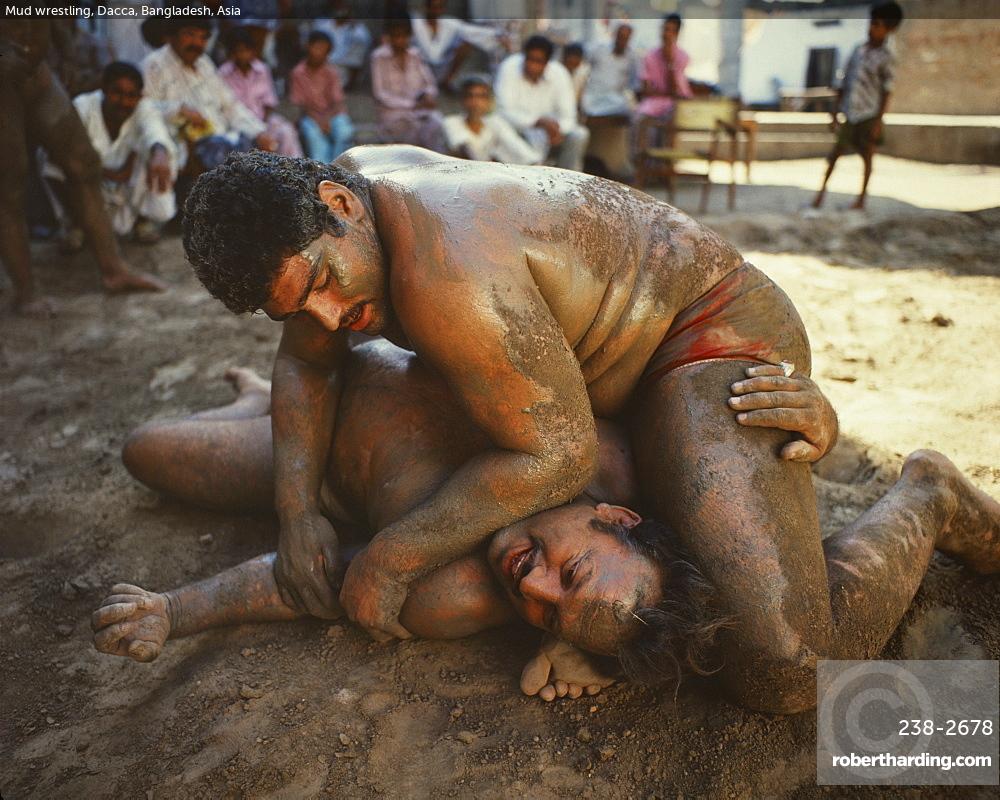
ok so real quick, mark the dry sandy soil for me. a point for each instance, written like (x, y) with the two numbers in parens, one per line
(901, 305)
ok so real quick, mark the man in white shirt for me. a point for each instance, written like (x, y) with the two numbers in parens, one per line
(198, 105)
(137, 155)
(535, 95)
(614, 68)
(481, 136)
(444, 42)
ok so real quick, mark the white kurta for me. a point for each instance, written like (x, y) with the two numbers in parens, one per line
(437, 47)
(171, 85)
(497, 141)
(144, 128)
(609, 90)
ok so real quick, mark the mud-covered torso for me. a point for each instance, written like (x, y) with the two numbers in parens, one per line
(613, 265)
(399, 435)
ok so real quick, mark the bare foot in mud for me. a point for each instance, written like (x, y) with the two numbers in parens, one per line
(131, 622)
(43, 307)
(125, 281)
(561, 670)
(972, 534)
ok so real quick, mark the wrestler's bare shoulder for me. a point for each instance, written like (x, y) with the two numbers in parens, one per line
(372, 160)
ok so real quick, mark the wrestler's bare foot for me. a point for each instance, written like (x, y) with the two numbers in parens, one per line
(247, 382)
(818, 200)
(857, 205)
(131, 622)
(124, 281)
(561, 670)
(972, 534)
(43, 307)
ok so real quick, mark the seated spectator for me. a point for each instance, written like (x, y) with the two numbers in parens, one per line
(315, 87)
(535, 95)
(405, 91)
(662, 74)
(136, 152)
(251, 82)
(207, 120)
(579, 70)
(482, 136)
(351, 42)
(613, 71)
(444, 42)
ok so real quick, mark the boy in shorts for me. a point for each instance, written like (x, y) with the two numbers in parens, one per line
(863, 97)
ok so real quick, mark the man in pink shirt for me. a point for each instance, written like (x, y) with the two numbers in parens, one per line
(326, 128)
(405, 91)
(662, 74)
(251, 82)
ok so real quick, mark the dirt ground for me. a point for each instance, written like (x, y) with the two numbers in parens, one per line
(901, 305)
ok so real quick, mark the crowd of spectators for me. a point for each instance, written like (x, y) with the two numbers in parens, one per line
(157, 124)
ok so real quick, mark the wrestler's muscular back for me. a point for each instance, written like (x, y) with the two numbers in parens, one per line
(613, 265)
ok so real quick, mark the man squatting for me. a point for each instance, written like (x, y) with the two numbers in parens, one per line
(542, 299)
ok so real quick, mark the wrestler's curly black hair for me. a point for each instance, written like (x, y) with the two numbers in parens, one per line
(246, 215)
(676, 637)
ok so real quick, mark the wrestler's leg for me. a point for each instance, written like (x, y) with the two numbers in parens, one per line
(14, 250)
(58, 128)
(219, 459)
(750, 521)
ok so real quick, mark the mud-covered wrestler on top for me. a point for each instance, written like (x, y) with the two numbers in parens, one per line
(543, 299)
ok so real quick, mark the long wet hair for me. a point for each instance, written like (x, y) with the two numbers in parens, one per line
(676, 637)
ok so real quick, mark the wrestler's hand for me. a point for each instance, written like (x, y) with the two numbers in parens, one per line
(307, 566)
(373, 594)
(561, 670)
(770, 399)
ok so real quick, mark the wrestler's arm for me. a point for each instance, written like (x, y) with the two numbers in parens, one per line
(304, 395)
(457, 600)
(491, 336)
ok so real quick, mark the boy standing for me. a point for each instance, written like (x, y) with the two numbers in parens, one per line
(864, 96)
(482, 136)
(326, 128)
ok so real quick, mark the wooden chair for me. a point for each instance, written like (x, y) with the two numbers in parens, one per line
(715, 116)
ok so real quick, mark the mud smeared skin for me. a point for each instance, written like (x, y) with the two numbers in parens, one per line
(33, 104)
(399, 434)
(538, 295)
(750, 521)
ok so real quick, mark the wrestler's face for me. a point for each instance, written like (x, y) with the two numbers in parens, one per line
(338, 281)
(189, 43)
(579, 583)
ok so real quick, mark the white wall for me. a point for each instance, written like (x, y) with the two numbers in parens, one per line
(778, 49)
